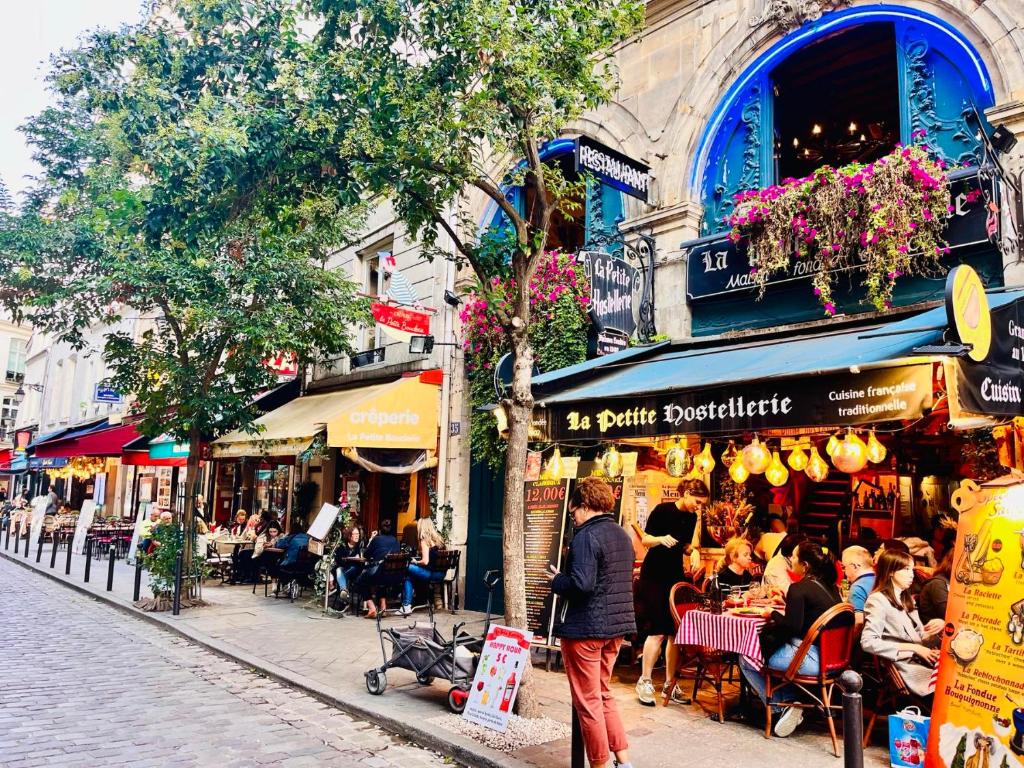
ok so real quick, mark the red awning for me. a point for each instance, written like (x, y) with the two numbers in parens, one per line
(5, 455)
(143, 459)
(103, 442)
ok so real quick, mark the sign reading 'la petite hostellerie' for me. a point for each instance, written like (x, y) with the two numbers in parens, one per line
(886, 394)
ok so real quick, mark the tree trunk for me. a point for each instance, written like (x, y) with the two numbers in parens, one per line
(191, 490)
(520, 412)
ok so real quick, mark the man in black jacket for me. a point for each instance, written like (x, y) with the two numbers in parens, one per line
(598, 591)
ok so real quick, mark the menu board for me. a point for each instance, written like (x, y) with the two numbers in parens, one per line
(505, 654)
(978, 714)
(544, 505)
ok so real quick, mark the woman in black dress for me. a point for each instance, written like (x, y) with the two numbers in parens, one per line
(669, 529)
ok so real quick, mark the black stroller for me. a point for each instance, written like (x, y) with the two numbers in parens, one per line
(421, 649)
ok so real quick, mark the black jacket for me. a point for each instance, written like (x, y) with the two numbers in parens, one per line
(597, 583)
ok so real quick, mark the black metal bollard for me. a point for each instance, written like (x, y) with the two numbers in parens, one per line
(110, 570)
(39, 545)
(7, 541)
(17, 540)
(853, 719)
(88, 559)
(53, 551)
(577, 760)
(138, 578)
(28, 542)
(176, 608)
(67, 563)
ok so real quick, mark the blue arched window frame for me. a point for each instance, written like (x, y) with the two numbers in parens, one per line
(604, 208)
(941, 76)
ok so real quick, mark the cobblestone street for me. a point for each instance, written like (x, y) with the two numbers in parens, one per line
(85, 685)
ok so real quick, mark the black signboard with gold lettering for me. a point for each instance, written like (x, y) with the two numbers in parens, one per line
(544, 503)
(841, 399)
(995, 386)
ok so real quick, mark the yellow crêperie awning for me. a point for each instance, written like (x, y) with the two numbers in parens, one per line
(402, 414)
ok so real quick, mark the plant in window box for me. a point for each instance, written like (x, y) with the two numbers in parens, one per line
(887, 217)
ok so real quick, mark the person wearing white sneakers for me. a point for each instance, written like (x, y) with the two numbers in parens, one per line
(806, 601)
(670, 528)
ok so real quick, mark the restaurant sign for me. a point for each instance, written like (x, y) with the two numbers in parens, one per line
(613, 168)
(995, 386)
(841, 399)
(716, 266)
(613, 284)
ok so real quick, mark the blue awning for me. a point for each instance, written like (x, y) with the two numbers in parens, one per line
(696, 365)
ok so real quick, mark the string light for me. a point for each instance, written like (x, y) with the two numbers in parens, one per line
(738, 472)
(776, 474)
(704, 461)
(831, 445)
(851, 456)
(876, 451)
(555, 467)
(817, 468)
(756, 457)
(677, 460)
(612, 462)
(730, 454)
(797, 460)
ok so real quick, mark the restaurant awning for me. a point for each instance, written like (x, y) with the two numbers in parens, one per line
(842, 377)
(15, 466)
(398, 414)
(100, 439)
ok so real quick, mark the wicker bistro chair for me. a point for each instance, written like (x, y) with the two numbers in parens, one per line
(833, 633)
(444, 570)
(697, 662)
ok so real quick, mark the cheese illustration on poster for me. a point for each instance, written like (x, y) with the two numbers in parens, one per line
(978, 714)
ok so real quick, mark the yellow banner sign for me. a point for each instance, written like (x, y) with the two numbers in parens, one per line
(402, 415)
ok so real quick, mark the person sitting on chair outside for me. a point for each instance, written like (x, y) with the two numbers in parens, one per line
(429, 542)
(345, 570)
(293, 544)
(146, 529)
(860, 572)
(381, 545)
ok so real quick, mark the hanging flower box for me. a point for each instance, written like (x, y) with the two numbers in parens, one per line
(886, 218)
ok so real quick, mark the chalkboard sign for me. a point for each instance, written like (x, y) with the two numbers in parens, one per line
(544, 526)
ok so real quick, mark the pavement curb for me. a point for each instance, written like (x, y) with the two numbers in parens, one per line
(453, 745)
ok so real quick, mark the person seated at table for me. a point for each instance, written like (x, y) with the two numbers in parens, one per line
(429, 542)
(248, 559)
(806, 601)
(238, 527)
(292, 544)
(860, 573)
(146, 529)
(381, 545)
(769, 541)
(893, 628)
(346, 568)
(779, 573)
(931, 602)
(735, 570)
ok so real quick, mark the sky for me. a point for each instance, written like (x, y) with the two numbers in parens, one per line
(30, 30)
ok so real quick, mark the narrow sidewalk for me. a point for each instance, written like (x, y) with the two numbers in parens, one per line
(327, 656)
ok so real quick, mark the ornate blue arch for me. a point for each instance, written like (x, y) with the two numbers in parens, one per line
(941, 76)
(604, 204)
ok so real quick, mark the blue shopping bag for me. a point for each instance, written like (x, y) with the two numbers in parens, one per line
(908, 738)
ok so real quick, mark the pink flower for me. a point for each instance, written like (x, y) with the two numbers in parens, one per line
(830, 308)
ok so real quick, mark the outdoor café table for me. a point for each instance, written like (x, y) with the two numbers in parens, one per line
(724, 632)
(227, 545)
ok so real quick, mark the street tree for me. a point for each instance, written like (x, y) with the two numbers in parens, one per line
(421, 100)
(179, 192)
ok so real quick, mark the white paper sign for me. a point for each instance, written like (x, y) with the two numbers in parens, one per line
(505, 655)
(38, 513)
(134, 546)
(85, 518)
(324, 520)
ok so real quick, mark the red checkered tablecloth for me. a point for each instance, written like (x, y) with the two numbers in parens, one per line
(723, 632)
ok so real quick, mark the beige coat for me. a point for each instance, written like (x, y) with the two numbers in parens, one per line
(885, 629)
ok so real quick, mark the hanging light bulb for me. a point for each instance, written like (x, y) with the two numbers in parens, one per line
(831, 445)
(738, 472)
(730, 454)
(776, 474)
(797, 459)
(851, 456)
(704, 461)
(817, 468)
(555, 466)
(816, 130)
(677, 460)
(876, 451)
(612, 462)
(756, 457)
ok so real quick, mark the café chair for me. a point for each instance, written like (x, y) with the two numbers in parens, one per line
(697, 662)
(833, 633)
(265, 569)
(384, 576)
(444, 570)
(892, 690)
